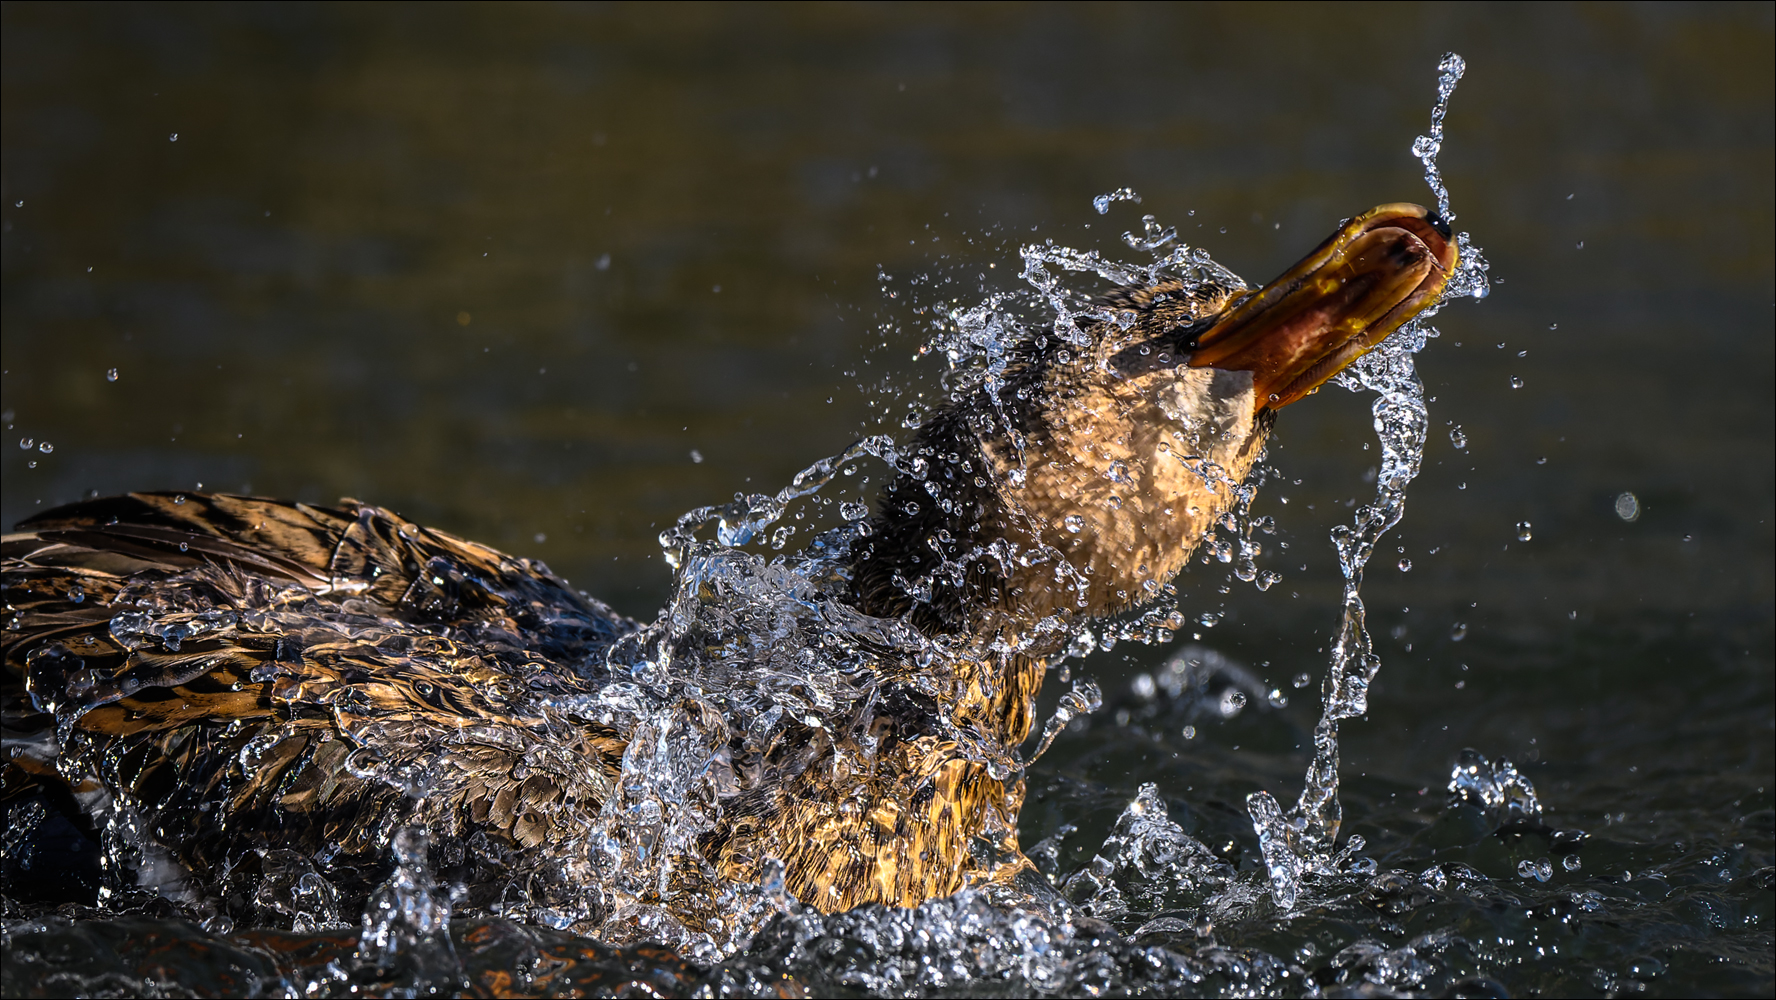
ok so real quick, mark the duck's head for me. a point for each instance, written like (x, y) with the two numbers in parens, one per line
(1377, 271)
(1084, 484)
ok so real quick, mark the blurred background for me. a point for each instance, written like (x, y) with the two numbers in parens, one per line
(547, 276)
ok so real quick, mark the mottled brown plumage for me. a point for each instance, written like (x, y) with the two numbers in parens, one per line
(292, 647)
(287, 638)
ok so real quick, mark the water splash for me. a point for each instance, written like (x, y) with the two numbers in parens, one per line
(1103, 202)
(757, 650)
(1426, 147)
(1497, 788)
(749, 647)
(406, 925)
(1303, 839)
(1149, 855)
(1084, 699)
(746, 518)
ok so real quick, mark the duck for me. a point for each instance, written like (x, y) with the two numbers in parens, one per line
(215, 696)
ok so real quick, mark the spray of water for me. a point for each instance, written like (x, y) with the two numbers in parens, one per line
(1303, 839)
(1426, 147)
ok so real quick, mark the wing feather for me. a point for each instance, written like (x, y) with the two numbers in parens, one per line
(251, 673)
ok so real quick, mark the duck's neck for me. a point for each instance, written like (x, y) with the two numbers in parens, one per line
(1016, 521)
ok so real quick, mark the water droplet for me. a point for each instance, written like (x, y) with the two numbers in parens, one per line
(1628, 507)
(1103, 202)
(1457, 438)
(1277, 698)
(1553, 326)
(26, 443)
(173, 138)
(1405, 565)
(110, 374)
(1210, 619)
(1268, 579)
(1190, 732)
(1458, 632)
(1523, 531)
(1300, 680)
(1073, 523)
(180, 498)
(184, 546)
(853, 511)
(696, 457)
(1516, 382)
(1646, 969)
(1571, 862)
(45, 447)
(539, 538)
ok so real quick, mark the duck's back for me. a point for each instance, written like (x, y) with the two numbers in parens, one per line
(272, 680)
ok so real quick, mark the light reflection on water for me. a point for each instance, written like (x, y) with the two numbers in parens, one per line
(506, 272)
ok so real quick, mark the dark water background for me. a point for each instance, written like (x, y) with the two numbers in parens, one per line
(510, 269)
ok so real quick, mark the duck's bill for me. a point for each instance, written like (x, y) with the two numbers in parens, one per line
(1380, 270)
